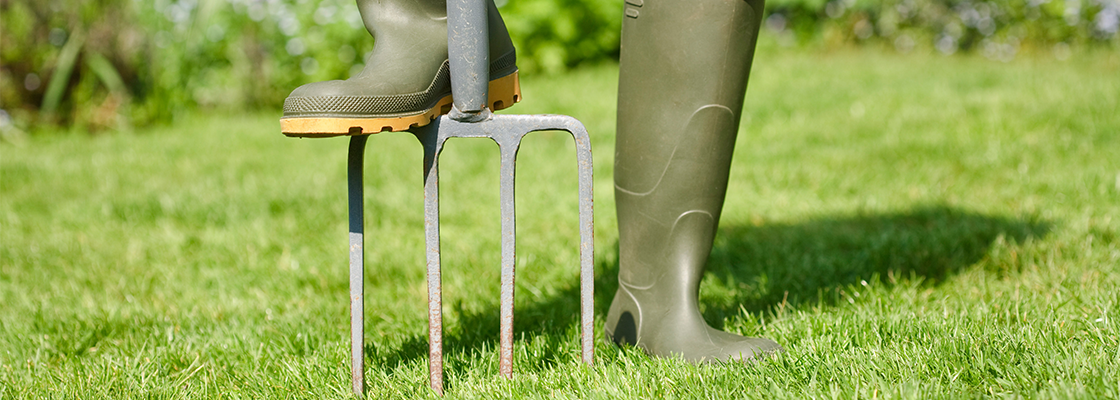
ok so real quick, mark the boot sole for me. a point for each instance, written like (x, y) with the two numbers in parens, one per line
(503, 93)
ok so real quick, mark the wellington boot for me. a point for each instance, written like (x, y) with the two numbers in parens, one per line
(683, 74)
(406, 80)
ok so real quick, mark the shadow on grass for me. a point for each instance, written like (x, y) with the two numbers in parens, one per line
(760, 267)
(810, 262)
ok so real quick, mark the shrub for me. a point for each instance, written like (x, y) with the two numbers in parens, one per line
(147, 60)
(113, 63)
(997, 28)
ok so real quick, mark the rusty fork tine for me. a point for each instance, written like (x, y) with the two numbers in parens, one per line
(586, 221)
(433, 145)
(354, 166)
(508, 149)
(586, 239)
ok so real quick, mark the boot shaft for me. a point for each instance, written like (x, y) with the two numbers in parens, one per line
(683, 75)
(677, 58)
(421, 22)
(388, 16)
(411, 43)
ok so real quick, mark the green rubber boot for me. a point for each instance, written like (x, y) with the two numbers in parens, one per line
(683, 74)
(406, 81)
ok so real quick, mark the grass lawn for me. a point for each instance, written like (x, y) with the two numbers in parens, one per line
(907, 226)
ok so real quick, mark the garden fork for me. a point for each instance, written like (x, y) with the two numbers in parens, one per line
(470, 118)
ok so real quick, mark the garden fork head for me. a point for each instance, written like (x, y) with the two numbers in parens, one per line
(507, 131)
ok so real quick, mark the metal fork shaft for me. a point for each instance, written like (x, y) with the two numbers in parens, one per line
(468, 47)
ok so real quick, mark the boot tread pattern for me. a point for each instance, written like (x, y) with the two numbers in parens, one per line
(504, 92)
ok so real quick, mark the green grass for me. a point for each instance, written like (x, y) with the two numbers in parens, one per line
(906, 226)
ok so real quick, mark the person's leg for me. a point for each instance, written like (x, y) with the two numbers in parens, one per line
(406, 80)
(683, 74)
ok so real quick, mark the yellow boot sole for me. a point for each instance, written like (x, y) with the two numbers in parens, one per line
(503, 93)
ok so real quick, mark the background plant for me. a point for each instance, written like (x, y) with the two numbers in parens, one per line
(111, 64)
(997, 28)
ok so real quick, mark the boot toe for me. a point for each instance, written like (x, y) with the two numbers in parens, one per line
(339, 88)
(326, 88)
(748, 349)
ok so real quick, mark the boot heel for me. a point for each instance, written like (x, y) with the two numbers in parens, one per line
(505, 91)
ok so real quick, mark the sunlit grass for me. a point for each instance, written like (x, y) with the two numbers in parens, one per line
(906, 226)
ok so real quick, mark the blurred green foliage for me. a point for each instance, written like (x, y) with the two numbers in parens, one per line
(554, 35)
(116, 63)
(998, 29)
(171, 55)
